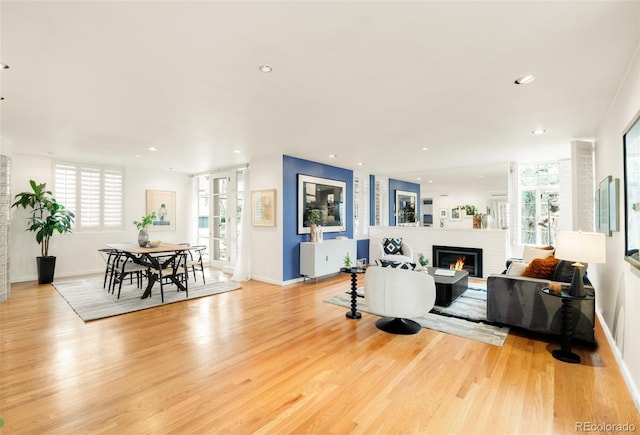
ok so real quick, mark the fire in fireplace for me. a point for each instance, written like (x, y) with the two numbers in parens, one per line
(459, 264)
(458, 258)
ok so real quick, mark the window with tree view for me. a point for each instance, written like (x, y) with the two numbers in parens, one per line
(539, 194)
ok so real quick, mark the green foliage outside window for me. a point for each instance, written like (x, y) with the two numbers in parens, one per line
(539, 185)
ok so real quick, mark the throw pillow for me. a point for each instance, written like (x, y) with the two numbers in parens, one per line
(397, 264)
(516, 268)
(392, 246)
(531, 252)
(542, 268)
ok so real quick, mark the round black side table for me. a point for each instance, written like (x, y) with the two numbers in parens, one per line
(354, 271)
(564, 353)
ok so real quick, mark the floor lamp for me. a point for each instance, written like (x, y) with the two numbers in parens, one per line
(580, 247)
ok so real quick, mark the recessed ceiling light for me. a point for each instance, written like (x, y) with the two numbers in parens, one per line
(480, 176)
(430, 181)
(265, 68)
(237, 151)
(333, 156)
(152, 149)
(4, 65)
(419, 178)
(137, 155)
(539, 131)
(425, 149)
(524, 80)
(360, 164)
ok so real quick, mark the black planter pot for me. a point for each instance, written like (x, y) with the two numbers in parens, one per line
(46, 269)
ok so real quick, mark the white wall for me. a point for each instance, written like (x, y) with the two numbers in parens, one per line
(77, 252)
(266, 242)
(617, 282)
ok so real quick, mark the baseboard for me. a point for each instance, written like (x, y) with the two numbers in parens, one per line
(34, 277)
(292, 281)
(267, 280)
(635, 394)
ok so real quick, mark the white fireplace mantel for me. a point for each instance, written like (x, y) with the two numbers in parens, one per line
(494, 243)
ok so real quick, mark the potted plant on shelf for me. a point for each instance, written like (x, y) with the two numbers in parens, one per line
(141, 225)
(47, 217)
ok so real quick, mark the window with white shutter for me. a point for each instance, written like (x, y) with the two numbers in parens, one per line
(113, 187)
(93, 193)
(89, 216)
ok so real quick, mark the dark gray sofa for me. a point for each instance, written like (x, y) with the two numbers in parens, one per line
(518, 301)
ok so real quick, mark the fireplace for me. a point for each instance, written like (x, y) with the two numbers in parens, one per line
(446, 257)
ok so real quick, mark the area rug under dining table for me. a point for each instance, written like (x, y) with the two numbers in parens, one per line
(465, 317)
(90, 301)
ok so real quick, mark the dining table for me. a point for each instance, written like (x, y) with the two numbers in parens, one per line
(158, 257)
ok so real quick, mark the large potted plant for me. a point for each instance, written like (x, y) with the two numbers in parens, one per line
(47, 217)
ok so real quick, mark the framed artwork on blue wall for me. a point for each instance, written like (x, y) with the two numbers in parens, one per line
(321, 201)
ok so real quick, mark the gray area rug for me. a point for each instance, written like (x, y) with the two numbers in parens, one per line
(465, 317)
(90, 301)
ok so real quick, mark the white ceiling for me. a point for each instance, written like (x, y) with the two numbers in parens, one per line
(372, 82)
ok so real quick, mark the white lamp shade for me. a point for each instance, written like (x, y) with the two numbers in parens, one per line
(580, 246)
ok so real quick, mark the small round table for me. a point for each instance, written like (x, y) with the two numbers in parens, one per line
(564, 353)
(354, 271)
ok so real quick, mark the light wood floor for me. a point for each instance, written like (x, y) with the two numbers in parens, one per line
(268, 359)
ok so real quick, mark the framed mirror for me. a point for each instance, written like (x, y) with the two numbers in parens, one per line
(321, 201)
(631, 143)
(406, 207)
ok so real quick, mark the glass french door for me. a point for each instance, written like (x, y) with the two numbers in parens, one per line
(217, 229)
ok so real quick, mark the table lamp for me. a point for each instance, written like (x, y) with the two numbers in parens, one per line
(580, 247)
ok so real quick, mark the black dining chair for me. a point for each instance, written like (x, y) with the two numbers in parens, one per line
(176, 269)
(127, 267)
(110, 257)
(195, 261)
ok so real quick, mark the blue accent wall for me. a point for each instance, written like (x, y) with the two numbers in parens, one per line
(401, 185)
(290, 238)
(362, 248)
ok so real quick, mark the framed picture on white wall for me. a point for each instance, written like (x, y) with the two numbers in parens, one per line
(163, 203)
(456, 214)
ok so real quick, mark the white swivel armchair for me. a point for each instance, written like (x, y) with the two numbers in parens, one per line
(399, 295)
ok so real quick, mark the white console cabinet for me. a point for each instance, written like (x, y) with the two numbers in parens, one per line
(326, 257)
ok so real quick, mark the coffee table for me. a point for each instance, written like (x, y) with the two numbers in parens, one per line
(448, 288)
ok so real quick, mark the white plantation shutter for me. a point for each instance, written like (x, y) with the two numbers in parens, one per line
(65, 182)
(113, 186)
(93, 193)
(89, 198)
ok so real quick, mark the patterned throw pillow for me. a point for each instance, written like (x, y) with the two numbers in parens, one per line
(392, 246)
(543, 268)
(397, 264)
